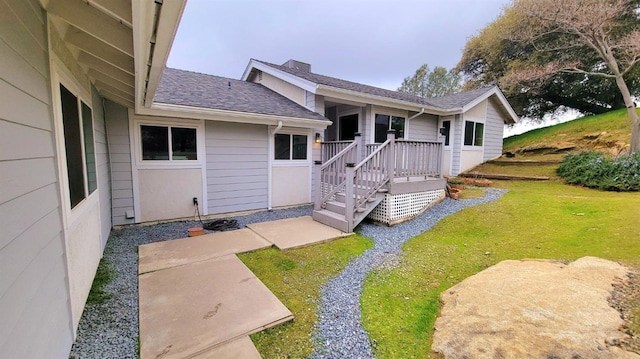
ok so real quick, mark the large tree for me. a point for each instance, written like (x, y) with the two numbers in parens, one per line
(582, 54)
(427, 83)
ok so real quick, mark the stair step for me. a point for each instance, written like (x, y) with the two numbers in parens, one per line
(335, 206)
(331, 219)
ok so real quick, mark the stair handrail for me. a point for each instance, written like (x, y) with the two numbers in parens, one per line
(378, 179)
(337, 186)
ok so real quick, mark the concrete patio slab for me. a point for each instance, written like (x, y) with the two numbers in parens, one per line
(167, 254)
(190, 309)
(296, 232)
(239, 348)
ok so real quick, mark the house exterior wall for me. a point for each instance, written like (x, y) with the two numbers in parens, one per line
(102, 167)
(117, 125)
(168, 193)
(292, 92)
(291, 185)
(237, 166)
(457, 125)
(472, 156)
(35, 307)
(423, 127)
(494, 130)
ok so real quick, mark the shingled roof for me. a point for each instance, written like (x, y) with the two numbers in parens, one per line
(187, 88)
(448, 102)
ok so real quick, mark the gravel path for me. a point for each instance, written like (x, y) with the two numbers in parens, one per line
(110, 330)
(339, 331)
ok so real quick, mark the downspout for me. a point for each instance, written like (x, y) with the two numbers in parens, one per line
(409, 120)
(270, 171)
(416, 115)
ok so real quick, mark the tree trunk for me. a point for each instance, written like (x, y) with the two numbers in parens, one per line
(633, 114)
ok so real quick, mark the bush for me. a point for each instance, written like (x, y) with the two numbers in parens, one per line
(593, 169)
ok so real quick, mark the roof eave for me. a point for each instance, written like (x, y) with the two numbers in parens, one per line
(154, 28)
(503, 102)
(306, 85)
(380, 100)
(202, 113)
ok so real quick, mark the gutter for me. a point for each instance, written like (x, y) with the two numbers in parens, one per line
(416, 115)
(270, 171)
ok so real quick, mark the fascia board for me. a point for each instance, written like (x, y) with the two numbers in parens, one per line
(200, 113)
(287, 77)
(380, 101)
(503, 101)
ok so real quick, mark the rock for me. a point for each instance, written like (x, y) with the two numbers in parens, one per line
(533, 309)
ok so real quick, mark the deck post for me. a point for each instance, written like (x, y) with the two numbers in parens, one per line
(357, 137)
(349, 194)
(391, 157)
(317, 177)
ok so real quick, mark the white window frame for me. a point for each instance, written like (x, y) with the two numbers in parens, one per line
(291, 162)
(60, 75)
(451, 131)
(473, 146)
(391, 113)
(198, 125)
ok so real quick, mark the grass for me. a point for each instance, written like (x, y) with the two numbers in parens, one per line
(104, 275)
(534, 220)
(541, 170)
(470, 192)
(295, 277)
(615, 123)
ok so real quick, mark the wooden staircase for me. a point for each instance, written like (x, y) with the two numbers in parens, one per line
(333, 212)
(348, 188)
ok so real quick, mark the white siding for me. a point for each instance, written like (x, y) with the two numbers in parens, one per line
(34, 299)
(117, 119)
(237, 166)
(423, 127)
(456, 146)
(102, 166)
(493, 131)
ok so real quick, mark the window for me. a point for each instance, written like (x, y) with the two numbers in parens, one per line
(77, 123)
(348, 127)
(383, 123)
(473, 133)
(447, 131)
(290, 147)
(167, 143)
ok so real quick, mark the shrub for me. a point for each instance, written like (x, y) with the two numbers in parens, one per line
(593, 169)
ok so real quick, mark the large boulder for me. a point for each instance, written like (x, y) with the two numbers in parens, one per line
(533, 309)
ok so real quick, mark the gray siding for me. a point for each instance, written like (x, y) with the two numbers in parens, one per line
(493, 131)
(34, 301)
(423, 127)
(237, 166)
(117, 119)
(102, 166)
(310, 100)
(456, 146)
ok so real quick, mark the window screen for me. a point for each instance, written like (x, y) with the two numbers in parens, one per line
(477, 141)
(183, 143)
(382, 125)
(397, 123)
(468, 133)
(89, 149)
(299, 147)
(72, 145)
(282, 146)
(155, 142)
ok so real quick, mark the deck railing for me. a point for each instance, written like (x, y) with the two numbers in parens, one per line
(333, 173)
(418, 159)
(332, 148)
(360, 180)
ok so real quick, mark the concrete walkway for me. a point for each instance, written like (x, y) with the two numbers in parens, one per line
(198, 300)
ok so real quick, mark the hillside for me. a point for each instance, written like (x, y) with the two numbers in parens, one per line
(609, 132)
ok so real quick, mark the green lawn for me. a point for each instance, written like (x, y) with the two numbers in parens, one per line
(295, 277)
(534, 220)
(616, 124)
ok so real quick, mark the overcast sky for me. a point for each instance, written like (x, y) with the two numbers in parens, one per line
(374, 42)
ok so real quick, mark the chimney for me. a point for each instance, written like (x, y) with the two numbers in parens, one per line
(298, 65)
